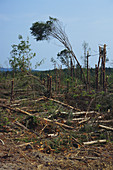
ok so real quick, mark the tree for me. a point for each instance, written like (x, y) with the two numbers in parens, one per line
(64, 56)
(85, 48)
(21, 55)
(53, 28)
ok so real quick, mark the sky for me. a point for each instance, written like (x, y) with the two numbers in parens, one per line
(84, 20)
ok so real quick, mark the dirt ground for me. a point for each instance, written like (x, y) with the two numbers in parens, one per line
(17, 156)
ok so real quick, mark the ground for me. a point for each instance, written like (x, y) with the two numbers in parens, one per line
(13, 156)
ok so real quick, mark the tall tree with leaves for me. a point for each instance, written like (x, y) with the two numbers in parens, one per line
(53, 28)
(21, 55)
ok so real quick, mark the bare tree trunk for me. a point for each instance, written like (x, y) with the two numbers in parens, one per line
(12, 90)
(96, 77)
(79, 65)
(87, 71)
(71, 69)
(50, 87)
(104, 61)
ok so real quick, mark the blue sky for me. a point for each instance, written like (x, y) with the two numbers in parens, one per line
(84, 20)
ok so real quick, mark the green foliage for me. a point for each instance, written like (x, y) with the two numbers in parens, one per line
(21, 55)
(34, 119)
(3, 119)
(51, 28)
(41, 30)
(98, 106)
(64, 56)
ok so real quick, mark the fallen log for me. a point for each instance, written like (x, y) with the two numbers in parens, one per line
(106, 127)
(61, 124)
(35, 77)
(36, 100)
(3, 100)
(94, 142)
(85, 120)
(64, 104)
(45, 119)
(85, 113)
(15, 109)
(105, 121)
(77, 119)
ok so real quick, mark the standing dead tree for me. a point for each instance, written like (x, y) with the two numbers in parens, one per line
(49, 85)
(102, 59)
(12, 90)
(53, 28)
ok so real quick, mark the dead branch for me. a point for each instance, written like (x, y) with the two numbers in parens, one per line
(96, 141)
(77, 141)
(21, 125)
(43, 129)
(2, 141)
(24, 144)
(77, 119)
(106, 127)
(85, 120)
(52, 135)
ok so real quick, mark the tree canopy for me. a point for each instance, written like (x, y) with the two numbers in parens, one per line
(53, 28)
(65, 57)
(21, 55)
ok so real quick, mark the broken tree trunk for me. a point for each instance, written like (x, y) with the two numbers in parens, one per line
(106, 127)
(96, 77)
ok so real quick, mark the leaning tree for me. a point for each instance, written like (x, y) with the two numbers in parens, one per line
(53, 28)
